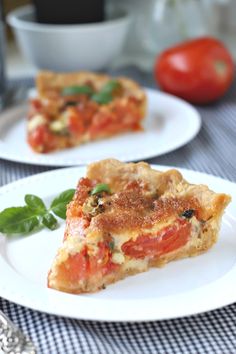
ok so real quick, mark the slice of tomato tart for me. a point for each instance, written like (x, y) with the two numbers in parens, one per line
(125, 218)
(75, 108)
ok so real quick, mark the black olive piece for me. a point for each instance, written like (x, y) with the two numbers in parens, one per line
(188, 213)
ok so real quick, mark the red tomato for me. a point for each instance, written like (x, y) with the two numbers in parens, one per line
(168, 239)
(75, 267)
(41, 139)
(101, 262)
(82, 265)
(123, 118)
(75, 121)
(34, 107)
(200, 70)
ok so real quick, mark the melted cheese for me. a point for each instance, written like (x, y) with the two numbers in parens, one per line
(37, 120)
(118, 258)
(57, 126)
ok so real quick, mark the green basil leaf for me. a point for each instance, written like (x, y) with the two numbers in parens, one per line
(102, 97)
(59, 204)
(35, 203)
(18, 220)
(76, 90)
(107, 92)
(101, 187)
(111, 86)
(49, 221)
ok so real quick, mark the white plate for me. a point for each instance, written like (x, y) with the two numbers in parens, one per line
(180, 288)
(170, 123)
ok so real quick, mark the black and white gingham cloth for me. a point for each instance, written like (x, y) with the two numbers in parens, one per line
(212, 151)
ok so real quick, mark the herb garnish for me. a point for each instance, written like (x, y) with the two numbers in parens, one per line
(77, 90)
(101, 187)
(104, 96)
(107, 92)
(34, 215)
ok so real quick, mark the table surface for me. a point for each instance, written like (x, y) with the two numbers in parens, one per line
(212, 151)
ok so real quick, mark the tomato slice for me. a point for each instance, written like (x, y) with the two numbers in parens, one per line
(41, 139)
(102, 261)
(82, 266)
(167, 240)
(74, 268)
(121, 118)
(99, 261)
(75, 122)
(85, 185)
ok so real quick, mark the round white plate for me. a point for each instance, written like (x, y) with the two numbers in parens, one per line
(181, 288)
(170, 123)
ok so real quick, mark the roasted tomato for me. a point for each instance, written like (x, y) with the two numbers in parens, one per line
(41, 139)
(101, 261)
(121, 118)
(75, 121)
(200, 70)
(167, 240)
(83, 265)
(75, 268)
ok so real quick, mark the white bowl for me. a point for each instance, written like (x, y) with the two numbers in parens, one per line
(68, 47)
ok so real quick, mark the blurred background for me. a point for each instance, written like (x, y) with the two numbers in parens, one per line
(139, 30)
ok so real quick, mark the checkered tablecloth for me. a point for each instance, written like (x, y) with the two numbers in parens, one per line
(212, 151)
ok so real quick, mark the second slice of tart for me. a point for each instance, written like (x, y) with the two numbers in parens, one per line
(75, 108)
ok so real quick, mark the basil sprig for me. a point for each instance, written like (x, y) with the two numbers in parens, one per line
(101, 187)
(77, 90)
(104, 96)
(107, 92)
(58, 205)
(34, 215)
(18, 220)
(111, 86)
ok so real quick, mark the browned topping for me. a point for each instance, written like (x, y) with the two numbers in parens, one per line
(130, 209)
(93, 205)
(133, 200)
(118, 221)
(133, 209)
(164, 207)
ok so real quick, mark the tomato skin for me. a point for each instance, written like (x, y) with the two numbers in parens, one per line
(167, 240)
(101, 262)
(41, 139)
(83, 265)
(75, 122)
(122, 118)
(75, 268)
(199, 70)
